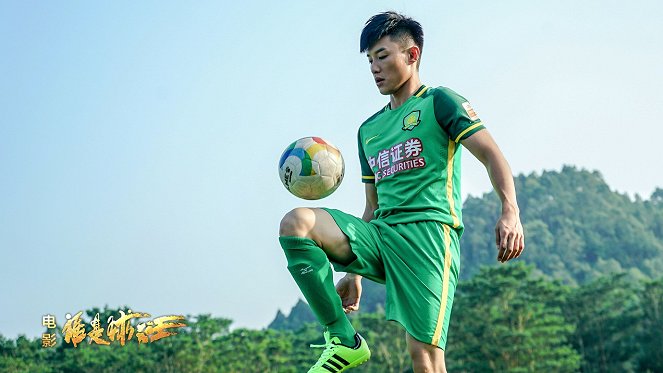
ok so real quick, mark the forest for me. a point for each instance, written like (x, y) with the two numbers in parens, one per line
(586, 296)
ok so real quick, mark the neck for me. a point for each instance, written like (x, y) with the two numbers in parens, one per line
(405, 91)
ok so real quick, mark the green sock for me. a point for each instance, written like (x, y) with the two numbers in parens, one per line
(310, 268)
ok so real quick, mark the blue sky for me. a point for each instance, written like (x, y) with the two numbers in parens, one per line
(139, 140)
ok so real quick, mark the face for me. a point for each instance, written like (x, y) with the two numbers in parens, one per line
(391, 65)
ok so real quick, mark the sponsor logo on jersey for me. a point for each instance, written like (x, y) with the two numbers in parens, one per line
(411, 120)
(403, 156)
(470, 112)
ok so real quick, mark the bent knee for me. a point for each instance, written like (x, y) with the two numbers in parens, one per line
(298, 222)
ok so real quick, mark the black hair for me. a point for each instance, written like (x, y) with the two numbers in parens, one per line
(390, 24)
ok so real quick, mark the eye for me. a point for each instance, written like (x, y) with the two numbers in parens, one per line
(383, 57)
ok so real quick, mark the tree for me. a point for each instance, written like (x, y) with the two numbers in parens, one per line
(387, 342)
(606, 315)
(651, 338)
(507, 320)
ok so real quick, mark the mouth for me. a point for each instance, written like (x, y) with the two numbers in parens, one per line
(379, 81)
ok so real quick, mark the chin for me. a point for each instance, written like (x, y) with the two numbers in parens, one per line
(385, 91)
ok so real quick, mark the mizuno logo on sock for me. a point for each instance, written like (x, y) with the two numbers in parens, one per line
(306, 270)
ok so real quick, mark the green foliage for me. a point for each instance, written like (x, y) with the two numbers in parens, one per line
(387, 342)
(607, 314)
(506, 319)
(255, 351)
(651, 337)
(23, 355)
(576, 228)
(510, 321)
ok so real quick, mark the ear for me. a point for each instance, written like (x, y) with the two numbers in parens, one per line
(414, 53)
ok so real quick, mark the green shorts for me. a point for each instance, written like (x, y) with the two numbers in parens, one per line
(418, 263)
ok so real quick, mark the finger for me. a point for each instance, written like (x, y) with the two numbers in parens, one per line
(521, 245)
(351, 308)
(511, 241)
(501, 237)
(508, 255)
(504, 238)
(512, 246)
(500, 253)
(350, 302)
(504, 244)
(497, 236)
(511, 254)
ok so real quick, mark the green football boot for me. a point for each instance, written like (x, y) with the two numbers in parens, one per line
(339, 358)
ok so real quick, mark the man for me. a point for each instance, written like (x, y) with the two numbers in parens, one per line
(408, 235)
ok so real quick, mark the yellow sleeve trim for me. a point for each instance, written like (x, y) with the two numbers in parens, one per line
(468, 129)
(368, 177)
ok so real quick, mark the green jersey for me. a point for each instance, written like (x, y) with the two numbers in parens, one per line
(412, 154)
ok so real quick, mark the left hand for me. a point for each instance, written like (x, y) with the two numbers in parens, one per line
(509, 236)
(349, 289)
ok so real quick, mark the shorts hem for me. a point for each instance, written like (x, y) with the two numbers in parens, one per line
(426, 340)
(355, 247)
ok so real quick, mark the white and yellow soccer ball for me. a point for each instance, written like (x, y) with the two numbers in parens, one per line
(311, 168)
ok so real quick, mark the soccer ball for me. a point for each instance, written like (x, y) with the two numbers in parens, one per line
(311, 168)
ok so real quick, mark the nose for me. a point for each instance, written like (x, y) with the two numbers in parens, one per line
(375, 68)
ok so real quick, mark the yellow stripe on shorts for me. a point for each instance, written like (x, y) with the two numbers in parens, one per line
(445, 286)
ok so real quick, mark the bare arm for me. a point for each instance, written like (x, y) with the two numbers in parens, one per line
(509, 236)
(349, 287)
(371, 202)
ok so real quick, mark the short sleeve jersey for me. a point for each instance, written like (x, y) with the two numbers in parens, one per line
(412, 154)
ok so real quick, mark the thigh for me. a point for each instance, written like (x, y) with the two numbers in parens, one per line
(329, 236)
(365, 244)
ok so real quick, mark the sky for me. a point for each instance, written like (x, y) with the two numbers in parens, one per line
(139, 141)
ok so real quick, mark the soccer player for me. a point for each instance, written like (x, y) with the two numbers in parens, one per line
(408, 236)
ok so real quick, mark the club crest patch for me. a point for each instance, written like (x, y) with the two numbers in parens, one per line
(411, 120)
(470, 112)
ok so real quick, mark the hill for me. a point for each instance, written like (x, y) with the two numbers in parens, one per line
(576, 229)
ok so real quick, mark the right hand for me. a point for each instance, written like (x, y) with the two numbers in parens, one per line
(349, 289)
(509, 236)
